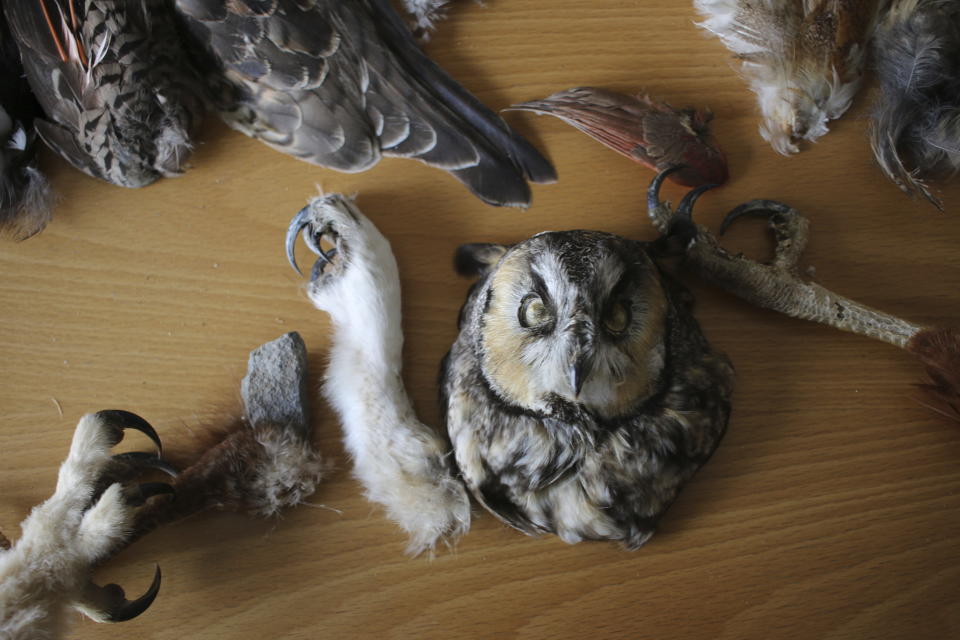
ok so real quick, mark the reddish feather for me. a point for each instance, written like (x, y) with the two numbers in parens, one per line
(652, 133)
(939, 352)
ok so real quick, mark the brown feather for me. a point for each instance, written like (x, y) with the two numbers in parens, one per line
(939, 352)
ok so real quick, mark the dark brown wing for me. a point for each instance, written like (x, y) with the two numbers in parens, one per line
(340, 83)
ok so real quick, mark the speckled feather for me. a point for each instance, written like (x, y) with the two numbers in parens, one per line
(121, 98)
(607, 463)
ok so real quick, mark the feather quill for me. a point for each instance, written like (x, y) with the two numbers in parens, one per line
(915, 132)
(803, 58)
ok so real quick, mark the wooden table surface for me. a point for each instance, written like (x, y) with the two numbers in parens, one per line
(831, 510)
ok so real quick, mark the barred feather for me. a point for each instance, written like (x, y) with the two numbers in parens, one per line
(916, 121)
(120, 96)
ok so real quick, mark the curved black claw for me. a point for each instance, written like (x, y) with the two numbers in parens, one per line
(323, 259)
(139, 460)
(120, 609)
(299, 221)
(137, 496)
(119, 420)
(653, 191)
(759, 207)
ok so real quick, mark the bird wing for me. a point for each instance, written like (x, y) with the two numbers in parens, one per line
(340, 83)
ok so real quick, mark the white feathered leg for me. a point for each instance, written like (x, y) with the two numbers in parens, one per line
(47, 571)
(402, 463)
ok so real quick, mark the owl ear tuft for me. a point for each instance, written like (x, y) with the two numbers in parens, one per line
(477, 258)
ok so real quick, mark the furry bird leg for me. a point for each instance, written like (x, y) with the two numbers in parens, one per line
(25, 195)
(779, 285)
(261, 467)
(803, 58)
(121, 98)
(652, 133)
(402, 463)
(340, 84)
(47, 570)
(915, 133)
(264, 465)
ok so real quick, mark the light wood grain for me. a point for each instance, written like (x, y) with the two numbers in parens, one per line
(831, 510)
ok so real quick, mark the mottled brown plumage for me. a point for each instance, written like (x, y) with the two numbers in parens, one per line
(121, 98)
(803, 58)
(580, 394)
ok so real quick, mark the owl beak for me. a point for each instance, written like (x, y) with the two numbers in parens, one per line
(579, 373)
(582, 360)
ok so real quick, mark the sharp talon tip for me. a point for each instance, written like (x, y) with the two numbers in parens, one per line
(653, 191)
(129, 609)
(121, 420)
(299, 221)
(685, 208)
(318, 266)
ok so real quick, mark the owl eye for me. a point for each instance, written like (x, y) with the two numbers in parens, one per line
(533, 312)
(617, 317)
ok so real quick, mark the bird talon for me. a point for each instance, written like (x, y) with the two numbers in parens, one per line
(116, 421)
(109, 603)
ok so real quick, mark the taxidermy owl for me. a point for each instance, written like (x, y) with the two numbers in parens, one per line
(121, 98)
(916, 120)
(652, 133)
(580, 394)
(25, 195)
(340, 84)
(803, 58)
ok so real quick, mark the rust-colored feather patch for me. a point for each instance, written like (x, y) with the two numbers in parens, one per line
(939, 352)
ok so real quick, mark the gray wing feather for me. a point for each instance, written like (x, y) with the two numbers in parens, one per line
(325, 81)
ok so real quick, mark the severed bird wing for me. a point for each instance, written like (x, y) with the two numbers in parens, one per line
(339, 84)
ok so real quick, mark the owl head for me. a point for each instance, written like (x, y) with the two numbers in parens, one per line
(567, 318)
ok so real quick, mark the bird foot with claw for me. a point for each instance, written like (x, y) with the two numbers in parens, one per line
(777, 285)
(47, 571)
(402, 463)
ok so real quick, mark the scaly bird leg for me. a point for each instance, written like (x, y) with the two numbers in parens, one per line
(402, 463)
(778, 285)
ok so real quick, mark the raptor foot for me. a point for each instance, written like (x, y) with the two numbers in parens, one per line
(90, 515)
(777, 285)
